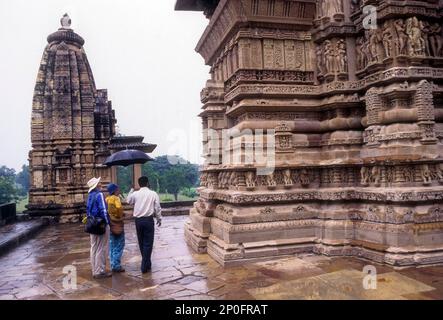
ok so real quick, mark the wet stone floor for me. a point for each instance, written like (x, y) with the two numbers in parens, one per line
(35, 270)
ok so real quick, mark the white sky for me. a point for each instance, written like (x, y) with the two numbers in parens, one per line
(142, 51)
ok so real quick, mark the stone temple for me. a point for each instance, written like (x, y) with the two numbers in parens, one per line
(72, 129)
(352, 94)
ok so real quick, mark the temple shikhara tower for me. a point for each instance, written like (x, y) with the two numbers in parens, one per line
(352, 94)
(72, 129)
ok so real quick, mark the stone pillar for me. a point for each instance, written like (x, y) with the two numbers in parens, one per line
(136, 174)
(114, 174)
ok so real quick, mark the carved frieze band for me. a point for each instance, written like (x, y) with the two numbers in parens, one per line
(340, 86)
(352, 194)
(365, 212)
(373, 176)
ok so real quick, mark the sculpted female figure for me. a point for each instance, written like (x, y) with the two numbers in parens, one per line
(436, 40)
(329, 54)
(341, 56)
(401, 36)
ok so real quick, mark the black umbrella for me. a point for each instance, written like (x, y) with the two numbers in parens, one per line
(127, 157)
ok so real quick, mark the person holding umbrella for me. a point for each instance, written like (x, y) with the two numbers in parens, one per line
(146, 206)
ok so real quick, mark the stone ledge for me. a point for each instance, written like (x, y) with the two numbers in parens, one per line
(414, 257)
(391, 195)
(12, 236)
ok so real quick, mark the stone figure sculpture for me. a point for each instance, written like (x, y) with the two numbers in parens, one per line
(320, 60)
(436, 40)
(374, 46)
(402, 37)
(361, 57)
(425, 28)
(330, 57)
(287, 179)
(250, 179)
(365, 176)
(270, 180)
(387, 40)
(426, 174)
(416, 43)
(341, 61)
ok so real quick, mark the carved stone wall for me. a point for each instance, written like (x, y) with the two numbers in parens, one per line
(72, 123)
(356, 115)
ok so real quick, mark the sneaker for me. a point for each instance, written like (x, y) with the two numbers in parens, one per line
(118, 270)
(103, 275)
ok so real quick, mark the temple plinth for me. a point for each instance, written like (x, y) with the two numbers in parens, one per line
(356, 114)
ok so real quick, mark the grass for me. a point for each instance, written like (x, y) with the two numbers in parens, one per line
(165, 197)
(21, 204)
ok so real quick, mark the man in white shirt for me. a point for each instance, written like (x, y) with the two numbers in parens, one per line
(146, 206)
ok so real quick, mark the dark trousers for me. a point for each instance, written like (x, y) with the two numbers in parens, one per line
(145, 234)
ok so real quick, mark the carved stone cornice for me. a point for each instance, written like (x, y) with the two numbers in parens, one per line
(334, 29)
(279, 34)
(269, 76)
(230, 15)
(384, 77)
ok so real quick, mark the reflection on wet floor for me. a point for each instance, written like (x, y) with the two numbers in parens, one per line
(35, 271)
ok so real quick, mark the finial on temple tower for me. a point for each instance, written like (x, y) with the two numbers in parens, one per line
(65, 21)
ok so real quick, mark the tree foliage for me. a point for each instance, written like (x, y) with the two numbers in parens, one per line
(171, 174)
(22, 180)
(8, 189)
(124, 178)
(166, 175)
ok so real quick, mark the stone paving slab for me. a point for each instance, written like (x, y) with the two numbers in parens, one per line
(34, 271)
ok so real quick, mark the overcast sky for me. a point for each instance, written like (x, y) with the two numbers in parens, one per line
(142, 51)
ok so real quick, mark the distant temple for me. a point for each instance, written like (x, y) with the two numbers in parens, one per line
(72, 129)
(351, 91)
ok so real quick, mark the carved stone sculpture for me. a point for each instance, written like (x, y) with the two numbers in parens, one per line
(401, 36)
(250, 180)
(342, 61)
(416, 43)
(287, 178)
(426, 174)
(436, 40)
(330, 57)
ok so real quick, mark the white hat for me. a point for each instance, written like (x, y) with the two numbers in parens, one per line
(92, 184)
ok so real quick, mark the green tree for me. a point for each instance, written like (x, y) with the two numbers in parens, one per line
(166, 175)
(8, 189)
(159, 173)
(153, 176)
(175, 180)
(124, 178)
(22, 179)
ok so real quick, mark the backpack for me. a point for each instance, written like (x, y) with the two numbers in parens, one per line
(95, 225)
